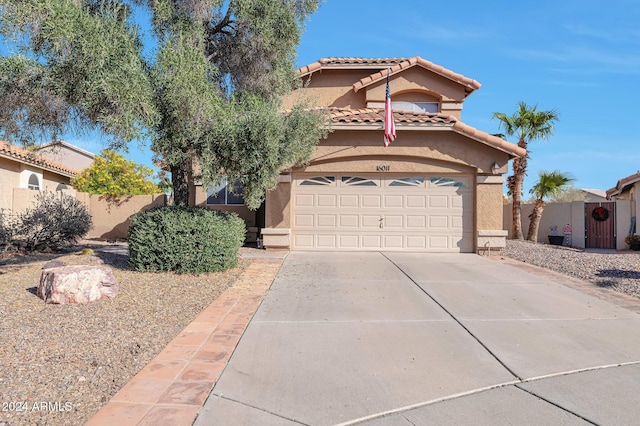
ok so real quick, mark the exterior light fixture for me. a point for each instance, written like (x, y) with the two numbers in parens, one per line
(495, 168)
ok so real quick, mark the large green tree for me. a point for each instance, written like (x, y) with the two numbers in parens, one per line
(206, 91)
(548, 185)
(527, 124)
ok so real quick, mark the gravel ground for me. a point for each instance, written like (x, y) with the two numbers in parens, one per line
(619, 271)
(59, 364)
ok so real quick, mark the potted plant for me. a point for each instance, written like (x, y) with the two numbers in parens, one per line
(633, 240)
(554, 238)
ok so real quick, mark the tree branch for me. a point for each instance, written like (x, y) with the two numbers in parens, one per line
(226, 21)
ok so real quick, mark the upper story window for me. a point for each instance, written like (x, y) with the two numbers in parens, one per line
(433, 107)
(34, 182)
(224, 195)
(416, 106)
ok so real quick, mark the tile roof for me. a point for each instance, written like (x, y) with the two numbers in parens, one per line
(368, 116)
(394, 64)
(23, 156)
(376, 115)
(622, 183)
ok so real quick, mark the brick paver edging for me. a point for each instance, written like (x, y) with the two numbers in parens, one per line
(172, 388)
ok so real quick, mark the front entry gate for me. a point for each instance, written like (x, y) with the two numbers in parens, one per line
(600, 219)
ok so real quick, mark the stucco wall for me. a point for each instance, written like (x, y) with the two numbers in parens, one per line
(560, 214)
(335, 88)
(9, 179)
(330, 88)
(417, 79)
(66, 156)
(111, 217)
(52, 180)
(443, 147)
(489, 206)
(278, 210)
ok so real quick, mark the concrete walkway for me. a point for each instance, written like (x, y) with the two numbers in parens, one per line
(171, 389)
(415, 339)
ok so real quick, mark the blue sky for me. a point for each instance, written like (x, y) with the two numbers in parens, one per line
(579, 57)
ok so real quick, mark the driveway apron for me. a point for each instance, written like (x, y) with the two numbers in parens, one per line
(408, 338)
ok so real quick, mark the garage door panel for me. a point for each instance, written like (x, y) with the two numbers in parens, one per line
(303, 200)
(349, 200)
(438, 201)
(349, 220)
(371, 201)
(327, 200)
(326, 241)
(416, 201)
(457, 202)
(457, 223)
(438, 242)
(349, 241)
(372, 241)
(303, 220)
(303, 241)
(416, 242)
(416, 222)
(369, 221)
(393, 201)
(393, 242)
(326, 220)
(393, 221)
(438, 222)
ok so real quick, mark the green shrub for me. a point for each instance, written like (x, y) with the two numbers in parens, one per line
(185, 240)
(54, 221)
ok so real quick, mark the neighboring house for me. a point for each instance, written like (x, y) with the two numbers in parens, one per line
(594, 195)
(20, 168)
(66, 154)
(436, 188)
(627, 189)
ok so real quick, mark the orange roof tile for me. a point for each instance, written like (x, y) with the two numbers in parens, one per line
(11, 151)
(364, 116)
(622, 183)
(376, 115)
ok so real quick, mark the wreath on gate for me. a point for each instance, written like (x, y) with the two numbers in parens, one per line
(600, 214)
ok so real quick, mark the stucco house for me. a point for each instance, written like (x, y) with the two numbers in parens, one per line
(66, 154)
(436, 188)
(20, 168)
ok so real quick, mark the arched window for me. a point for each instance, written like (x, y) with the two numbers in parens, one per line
(34, 183)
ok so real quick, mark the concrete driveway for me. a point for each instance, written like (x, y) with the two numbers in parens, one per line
(428, 339)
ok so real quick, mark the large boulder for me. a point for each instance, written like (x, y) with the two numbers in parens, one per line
(76, 284)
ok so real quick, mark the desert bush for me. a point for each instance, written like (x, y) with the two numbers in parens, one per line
(184, 240)
(6, 229)
(54, 221)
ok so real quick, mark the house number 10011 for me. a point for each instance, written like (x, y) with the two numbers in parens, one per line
(383, 168)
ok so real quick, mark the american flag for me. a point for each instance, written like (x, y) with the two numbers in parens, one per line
(389, 125)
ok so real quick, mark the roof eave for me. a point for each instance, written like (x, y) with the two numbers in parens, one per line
(39, 165)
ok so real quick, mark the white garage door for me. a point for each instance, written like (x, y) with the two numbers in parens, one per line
(382, 212)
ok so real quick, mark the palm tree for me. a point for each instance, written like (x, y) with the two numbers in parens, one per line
(549, 184)
(527, 124)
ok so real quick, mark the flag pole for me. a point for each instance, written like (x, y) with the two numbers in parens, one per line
(389, 124)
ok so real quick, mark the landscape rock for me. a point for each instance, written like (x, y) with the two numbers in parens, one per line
(55, 263)
(77, 284)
